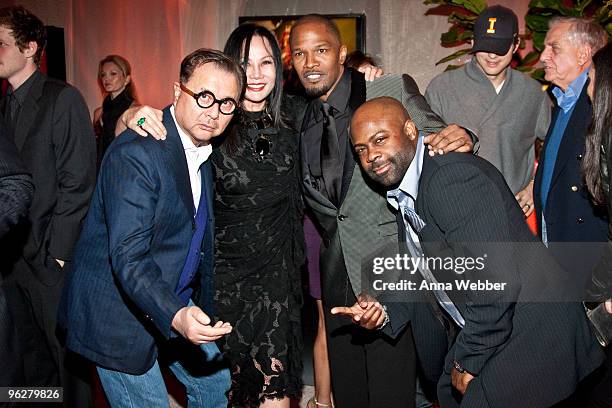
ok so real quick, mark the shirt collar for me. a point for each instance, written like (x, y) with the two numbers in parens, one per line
(476, 73)
(566, 100)
(192, 152)
(339, 97)
(410, 183)
(22, 91)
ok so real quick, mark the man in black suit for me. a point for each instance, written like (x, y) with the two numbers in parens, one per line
(510, 351)
(49, 123)
(365, 368)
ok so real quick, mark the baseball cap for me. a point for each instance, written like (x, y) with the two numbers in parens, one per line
(494, 30)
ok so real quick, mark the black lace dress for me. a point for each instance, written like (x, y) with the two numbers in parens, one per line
(259, 252)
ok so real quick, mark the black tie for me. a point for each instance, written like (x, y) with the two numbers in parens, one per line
(11, 113)
(330, 156)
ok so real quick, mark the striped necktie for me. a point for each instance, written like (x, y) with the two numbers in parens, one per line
(412, 219)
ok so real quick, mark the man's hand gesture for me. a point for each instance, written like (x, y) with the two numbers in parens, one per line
(192, 323)
(366, 312)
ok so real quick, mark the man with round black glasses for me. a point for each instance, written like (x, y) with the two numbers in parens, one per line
(141, 280)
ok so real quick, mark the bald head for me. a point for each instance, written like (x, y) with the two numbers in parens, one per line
(383, 107)
(384, 138)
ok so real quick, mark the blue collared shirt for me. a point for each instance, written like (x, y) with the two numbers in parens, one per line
(567, 100)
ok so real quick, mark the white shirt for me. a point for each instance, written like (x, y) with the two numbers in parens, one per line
(499, 87)
(195, 157)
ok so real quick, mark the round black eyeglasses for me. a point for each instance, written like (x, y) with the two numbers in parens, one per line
(206, 99)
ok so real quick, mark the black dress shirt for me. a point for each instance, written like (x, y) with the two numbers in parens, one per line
(17, 97)
(339, 101)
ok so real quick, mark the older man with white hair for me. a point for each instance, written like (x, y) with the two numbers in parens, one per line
(564, 211)
(568, 222)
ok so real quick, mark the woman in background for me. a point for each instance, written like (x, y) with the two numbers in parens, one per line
(114, 77)
(597, 167)
(597, 164)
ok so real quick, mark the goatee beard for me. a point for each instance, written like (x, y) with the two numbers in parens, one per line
(316, 92)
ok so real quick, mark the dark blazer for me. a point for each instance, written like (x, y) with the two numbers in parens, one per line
(120, 298)
(569, 212)
(509, 342)
(56, 142)
(16, 188)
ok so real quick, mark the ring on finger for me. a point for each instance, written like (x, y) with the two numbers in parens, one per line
(141, 121)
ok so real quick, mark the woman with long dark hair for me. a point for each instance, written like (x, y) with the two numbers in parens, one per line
(597, 164)
(259, 237)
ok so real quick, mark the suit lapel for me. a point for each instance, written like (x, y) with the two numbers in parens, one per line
(29, 111)
(177, 151)
(207, 185)
(356, 99)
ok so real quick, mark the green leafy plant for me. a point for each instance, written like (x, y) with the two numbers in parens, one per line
(462, 15)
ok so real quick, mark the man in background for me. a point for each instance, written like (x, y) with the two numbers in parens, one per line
(565, 213)
(16, 191)
(49, 123)
(568, 221)
(506, 108)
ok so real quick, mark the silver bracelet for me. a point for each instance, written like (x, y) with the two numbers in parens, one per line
(384, 307)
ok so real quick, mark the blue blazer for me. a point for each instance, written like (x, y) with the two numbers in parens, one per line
(120, 297)
(569, 212)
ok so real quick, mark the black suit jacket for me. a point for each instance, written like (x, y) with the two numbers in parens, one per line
(55, 139)
(509, 342)
(16, 192)
(16, 188)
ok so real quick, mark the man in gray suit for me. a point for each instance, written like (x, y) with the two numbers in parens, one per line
(512, 337)
(365, 368)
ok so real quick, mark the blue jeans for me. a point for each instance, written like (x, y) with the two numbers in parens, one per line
(205, 390)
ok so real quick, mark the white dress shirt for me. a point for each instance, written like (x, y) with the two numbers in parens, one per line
(195, 157)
